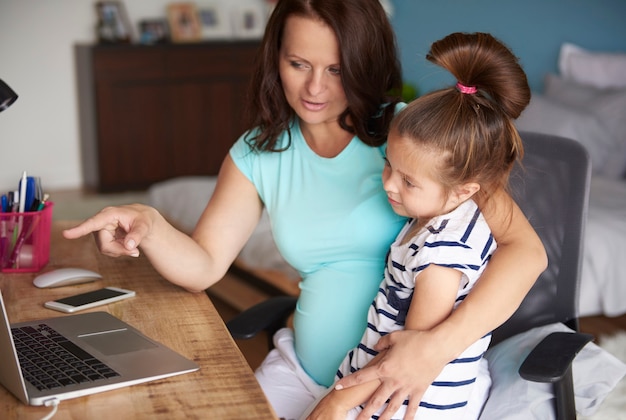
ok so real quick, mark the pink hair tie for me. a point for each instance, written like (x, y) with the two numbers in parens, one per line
(466, 89)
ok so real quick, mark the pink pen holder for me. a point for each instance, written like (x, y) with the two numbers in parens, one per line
(25, 240)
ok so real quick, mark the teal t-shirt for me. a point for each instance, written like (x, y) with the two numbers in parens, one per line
(332, 222)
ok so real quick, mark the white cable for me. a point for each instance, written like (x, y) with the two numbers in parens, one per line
(55, 406)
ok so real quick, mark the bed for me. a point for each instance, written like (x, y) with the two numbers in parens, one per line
(586, 101)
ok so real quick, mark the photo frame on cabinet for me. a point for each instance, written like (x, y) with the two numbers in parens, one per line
(184, 22)
(153, 31)
(249, 20)
(113, 23)
(215, 22)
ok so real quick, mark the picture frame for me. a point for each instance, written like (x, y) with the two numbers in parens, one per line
(249, 20)
(113, 23)
(183, 22)
(215, 22)
(153, 31)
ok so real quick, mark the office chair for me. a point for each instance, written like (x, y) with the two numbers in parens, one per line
(552, 189)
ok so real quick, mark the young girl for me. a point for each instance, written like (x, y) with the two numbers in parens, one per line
(446, 152)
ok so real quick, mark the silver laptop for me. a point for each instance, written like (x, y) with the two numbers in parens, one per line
(76, 355)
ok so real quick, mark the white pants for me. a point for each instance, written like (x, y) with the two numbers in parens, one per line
(292, 392)
(289, 389)
(472, 411)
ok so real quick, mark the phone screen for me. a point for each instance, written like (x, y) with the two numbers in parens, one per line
(90, 297)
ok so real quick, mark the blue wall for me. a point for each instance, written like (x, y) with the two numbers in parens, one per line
(533, 29)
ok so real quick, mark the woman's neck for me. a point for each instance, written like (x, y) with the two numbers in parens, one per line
(326, 140)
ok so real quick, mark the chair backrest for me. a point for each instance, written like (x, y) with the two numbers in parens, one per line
(552, 189)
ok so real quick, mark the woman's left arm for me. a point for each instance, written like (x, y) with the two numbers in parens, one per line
(513, 269)
(415, 358)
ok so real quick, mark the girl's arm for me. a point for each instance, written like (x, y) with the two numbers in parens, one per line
(415, 358)
(195, 262)
(336, 404)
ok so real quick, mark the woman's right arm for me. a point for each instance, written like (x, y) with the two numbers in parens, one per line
(195, 262)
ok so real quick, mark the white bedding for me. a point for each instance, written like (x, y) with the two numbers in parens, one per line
(586, 101)
(603, 286)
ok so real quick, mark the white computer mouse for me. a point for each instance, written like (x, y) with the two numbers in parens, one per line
(65, 277)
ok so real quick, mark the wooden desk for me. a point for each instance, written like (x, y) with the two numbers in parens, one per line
(223, 388)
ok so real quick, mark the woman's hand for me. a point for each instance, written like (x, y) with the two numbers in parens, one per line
(118, 230)
(408, 363)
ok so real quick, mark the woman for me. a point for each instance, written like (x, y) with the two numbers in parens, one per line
(321, 110)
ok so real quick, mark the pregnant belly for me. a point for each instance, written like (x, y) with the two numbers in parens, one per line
(331, 316)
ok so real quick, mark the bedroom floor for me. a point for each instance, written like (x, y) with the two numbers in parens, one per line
(78, 205)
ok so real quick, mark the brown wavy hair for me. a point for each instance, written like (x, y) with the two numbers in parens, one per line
(475, 132)
(370, 70)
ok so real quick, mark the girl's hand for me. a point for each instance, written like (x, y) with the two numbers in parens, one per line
(328, 409)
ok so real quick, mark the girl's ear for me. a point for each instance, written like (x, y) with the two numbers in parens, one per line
(467, 190)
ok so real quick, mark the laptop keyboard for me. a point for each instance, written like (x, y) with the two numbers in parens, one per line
(49, 360)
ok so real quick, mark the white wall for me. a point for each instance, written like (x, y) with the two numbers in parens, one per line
(39, 133)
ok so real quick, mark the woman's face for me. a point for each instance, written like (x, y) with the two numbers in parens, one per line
(310, 72)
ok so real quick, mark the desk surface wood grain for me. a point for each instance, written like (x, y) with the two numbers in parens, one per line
(223, 388)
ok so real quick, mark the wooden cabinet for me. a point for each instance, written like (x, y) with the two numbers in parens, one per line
(149, 113)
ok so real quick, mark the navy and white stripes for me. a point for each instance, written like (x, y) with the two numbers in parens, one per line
(460, 240)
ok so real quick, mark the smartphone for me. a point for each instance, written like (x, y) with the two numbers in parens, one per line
(89, 300)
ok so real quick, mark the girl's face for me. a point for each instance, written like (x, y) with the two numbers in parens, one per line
(408, 179)
(310, 72)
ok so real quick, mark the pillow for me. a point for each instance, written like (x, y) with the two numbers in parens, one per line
(598, 69)
(595, 371)
(182, 200)
(608, 105)
(546, 116)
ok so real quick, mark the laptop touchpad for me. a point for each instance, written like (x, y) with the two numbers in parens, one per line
(117, 342)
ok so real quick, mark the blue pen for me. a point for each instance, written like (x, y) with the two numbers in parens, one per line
(5, 203)
(27, 192)
(31, 190)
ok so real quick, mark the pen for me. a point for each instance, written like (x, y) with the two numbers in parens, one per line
(4, 251)
(23, 235)
(29, 198)
(14, 198)
(22, 206)
(42, 203)
(23, 183)
(4, 240)
(5, 203)
(37, 202)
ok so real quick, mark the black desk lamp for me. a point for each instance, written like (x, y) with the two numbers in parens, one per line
(7, 96)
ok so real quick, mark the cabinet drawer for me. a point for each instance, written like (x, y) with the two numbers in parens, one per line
(138, 62)
(194, 62)
(221, 59)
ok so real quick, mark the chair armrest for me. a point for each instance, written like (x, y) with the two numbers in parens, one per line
(269, 315)
(550, 360)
